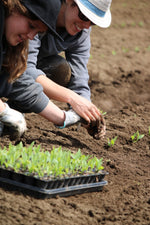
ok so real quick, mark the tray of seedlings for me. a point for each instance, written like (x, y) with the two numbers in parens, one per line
(45, 174)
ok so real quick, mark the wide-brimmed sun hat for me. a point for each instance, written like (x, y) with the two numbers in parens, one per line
(44, 11)
(97, 11)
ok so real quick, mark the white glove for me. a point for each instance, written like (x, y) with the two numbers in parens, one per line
(71, 117)
(14, 120)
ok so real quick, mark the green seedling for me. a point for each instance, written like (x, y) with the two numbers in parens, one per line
(123, 24)
(136, 137)
(103, 113)
(114, 52)
(112, 141)
(141, 24)
(149, 130)
(148, 48)
(125, 50)
(136, 49)
(124, 4)
(58, 163)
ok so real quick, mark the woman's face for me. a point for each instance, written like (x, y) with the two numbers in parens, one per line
(72, 22)
(19, 28)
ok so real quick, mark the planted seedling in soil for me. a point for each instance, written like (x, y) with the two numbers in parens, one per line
(112, 141)
(113, 52)
(136, 137)
(103, 113)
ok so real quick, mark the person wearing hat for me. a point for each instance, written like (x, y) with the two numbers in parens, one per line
(72, 20)
(19, 21)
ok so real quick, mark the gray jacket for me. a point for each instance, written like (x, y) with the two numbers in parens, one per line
(28, 95)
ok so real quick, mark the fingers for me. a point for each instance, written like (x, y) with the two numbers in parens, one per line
(91, 114)
(91, 119)
(95, 113)
(85, 108)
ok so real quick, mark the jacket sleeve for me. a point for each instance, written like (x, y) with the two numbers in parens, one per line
(27, 95)
(77, 57)
(34, 46)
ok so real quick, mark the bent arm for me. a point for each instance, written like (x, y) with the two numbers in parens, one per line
(81, 106)
(28, 96)
(54, 114)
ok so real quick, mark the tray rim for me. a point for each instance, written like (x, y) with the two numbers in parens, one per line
(101, 172)
(65, 191)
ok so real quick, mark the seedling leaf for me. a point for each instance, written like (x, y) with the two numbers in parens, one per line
(136, 137)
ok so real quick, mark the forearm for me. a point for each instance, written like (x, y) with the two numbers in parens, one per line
(2, 106)
(54, 114)
(81, 106)
(55, 91)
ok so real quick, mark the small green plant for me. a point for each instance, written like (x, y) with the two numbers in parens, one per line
(112, 141)
(125, 50)
(149, 130)
(136, 137)
(136, 49)
(55, 164)
(123, 24)
(148, 48)
(124, 4)
(103, 113)
(114, 52)
(141, 24)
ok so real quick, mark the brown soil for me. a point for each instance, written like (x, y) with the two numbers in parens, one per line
(120, 86)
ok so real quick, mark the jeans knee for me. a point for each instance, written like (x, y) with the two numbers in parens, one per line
(57, 69)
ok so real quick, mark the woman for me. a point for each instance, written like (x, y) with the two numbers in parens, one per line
(20, 20)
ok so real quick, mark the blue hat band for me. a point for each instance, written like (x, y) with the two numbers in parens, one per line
(93, 8)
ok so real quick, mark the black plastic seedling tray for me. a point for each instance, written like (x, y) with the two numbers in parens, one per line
(46, 188)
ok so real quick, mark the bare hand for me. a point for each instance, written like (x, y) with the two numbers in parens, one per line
(85, 109)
